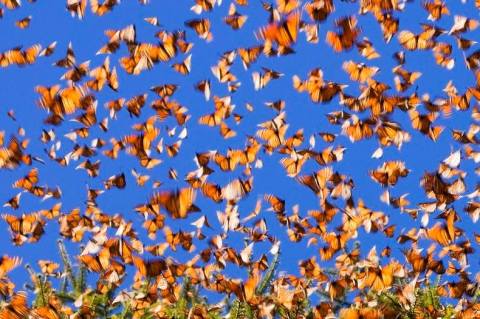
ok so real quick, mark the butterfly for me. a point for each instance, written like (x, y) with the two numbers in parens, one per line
(389, 173)
(234, 19)
(201, 27)
(284, 33)
(359, 72)
(422, 41)
(436, 9)
(249, 55)
(23, 23)
(177, 203)
(345, 39)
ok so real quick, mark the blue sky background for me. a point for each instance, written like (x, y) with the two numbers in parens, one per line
(51, 22)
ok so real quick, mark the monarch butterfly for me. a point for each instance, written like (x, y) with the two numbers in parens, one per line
(350, 313)
(167, 49)
(152, 20)
(463, 24)
(317, 181)
(47, 312)
(117, 181)
(359, 72)
(260, 80)
(101, 262)
(77, 8)
(111, 47)
(153, 225)
(52, 213)
(157, 250)
(13, 155)
(319, 91)
(104, 8)
(445, 61)
(423, 123)
(28, 181)
(180, 238)
(440, 234)
(135, 104)
(11, 4)
(357, 129)
(178, 203)
(17, 306)
(165, 90)
(249, 55)
(140, 179)
(273, 131)
(201, 27)
(203, 5)
(27, 227)
(277, 204)
(293, 141)
(212, 191)
(213, 119)
(228, 162)
(226, 132)
(69, 60)
(388, 24)
(172, 149)
(379, 278)
(247, 290)
(337, 288)
(436, 9)
(237, 189)
(284, 33)
(13, 202)
(120, 247)
(318, 11)
(23, 23)
(423, 41)
(287, 6)
(233, 87)
(48, 267)
(24, 224)
(380, 5)
(69, 99)
(204, 87)
(464, 44)
(89, 117)
(389, 173)
(184, 67)
(222, 73)
(473, 209)
(182, 44)
(126, 34)
(345, 39)
(7, 264)
(149, 268)
(404, 79)
(293, 164)
(366, 49)
(49, 50)
(20, 57)
(234, 19)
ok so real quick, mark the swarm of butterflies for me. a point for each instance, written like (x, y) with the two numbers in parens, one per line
(140, 245)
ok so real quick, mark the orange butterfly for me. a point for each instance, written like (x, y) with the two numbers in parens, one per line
(283, 33)
(178, 203)
(345, 39)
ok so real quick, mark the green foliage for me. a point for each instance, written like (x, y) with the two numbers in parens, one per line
(427, 304)
(269, 275)
(425, 301)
